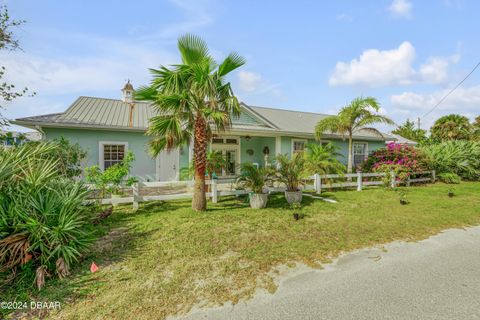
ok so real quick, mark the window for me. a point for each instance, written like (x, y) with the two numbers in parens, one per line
(359, 153)
(298, 146)
(219, 140)
(111, 153)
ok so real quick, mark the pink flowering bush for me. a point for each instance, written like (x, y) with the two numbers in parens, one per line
(403, 160)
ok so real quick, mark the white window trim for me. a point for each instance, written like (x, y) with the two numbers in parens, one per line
(101, 162)
(353, 148)
(305, 141)
(225, 146)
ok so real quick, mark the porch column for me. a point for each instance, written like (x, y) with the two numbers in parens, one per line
(278, 145)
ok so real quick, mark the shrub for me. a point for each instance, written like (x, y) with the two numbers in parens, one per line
(459, 157)
(112, 179)
(448, 177)
(322, 159)
(43, 223)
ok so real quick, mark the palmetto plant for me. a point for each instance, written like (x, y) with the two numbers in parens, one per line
(359, 114)
(42, 219)
(451, 127)
(191, 99)
(459, 157)
(254, 178)
(322, 159)
(291, 171)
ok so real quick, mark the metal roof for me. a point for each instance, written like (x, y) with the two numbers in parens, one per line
(114, 114)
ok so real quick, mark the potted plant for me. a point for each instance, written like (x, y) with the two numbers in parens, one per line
(254, 179)
(450, 193)
(296, 207)
(290, 172)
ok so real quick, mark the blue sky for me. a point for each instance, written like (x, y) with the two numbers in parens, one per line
(303, 55)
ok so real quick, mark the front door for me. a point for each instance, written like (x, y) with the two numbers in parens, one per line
(168, 163)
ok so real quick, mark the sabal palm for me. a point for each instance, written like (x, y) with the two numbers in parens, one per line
(191, 99)
(359, 114)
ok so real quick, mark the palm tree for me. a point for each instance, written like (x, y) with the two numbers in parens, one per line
(451, 127)
(322, 159)
(361, 112)
(191, 99)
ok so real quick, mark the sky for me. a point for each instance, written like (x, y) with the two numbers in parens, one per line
(302, 55)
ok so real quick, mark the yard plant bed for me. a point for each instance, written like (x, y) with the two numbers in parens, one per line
(164, 259)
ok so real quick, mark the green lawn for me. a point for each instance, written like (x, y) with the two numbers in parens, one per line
(164, 258)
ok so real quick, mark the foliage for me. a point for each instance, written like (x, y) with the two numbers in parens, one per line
(11, 140)
(215, 163)
(401, 172)
(254, 178)
(8, 42)
(322, 159)
(451, 127)
(69, 156)
(449, 177)
(351, 118)
(410, 132)
(43, 223)
(191, 99)
(112, 179)
(291, 171)
(459, 157)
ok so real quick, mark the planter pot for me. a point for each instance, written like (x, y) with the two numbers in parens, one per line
(450, 194)
(403, 202)
(296, 216)
(293, 196)
(116, 196)
(258, 200)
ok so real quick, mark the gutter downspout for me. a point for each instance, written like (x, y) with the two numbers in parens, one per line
(39, 129)
(130, 121)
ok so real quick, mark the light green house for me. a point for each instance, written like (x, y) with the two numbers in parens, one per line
(107, 128)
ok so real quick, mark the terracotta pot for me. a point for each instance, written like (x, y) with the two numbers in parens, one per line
(293, 196)
(258, 200)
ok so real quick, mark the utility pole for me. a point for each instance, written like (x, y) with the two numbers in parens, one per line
(418, 123)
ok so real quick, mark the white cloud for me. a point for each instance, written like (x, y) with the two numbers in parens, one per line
(344, 17)
(463, 101)
(375, 68)
(249, 81)
(401, 8)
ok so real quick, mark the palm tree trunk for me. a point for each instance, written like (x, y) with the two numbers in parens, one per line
(350, 153)
(199, 200)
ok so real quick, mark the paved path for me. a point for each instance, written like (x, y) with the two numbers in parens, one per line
(438, 278)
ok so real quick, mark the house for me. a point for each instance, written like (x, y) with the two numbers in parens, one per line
(401, 140)
(11, 138)
(107, 128)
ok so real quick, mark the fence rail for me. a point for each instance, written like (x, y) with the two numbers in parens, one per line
(320, 182)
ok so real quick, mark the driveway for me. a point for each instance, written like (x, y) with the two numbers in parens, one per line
(438, 278)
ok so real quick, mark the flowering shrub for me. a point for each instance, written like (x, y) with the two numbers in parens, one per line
(403, 160)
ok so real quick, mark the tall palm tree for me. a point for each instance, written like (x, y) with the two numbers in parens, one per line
(191, 100)
(452, 127)
(359, 114)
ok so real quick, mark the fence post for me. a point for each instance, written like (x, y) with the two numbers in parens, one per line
(433, 176)
(393, 183)
(135, 196)
(318, 183)
(214, 191)
(359, 181)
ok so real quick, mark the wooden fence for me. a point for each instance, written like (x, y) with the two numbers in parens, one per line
(225, 187)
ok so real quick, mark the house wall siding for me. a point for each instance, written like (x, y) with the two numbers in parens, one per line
(144, 165)
(257, 144)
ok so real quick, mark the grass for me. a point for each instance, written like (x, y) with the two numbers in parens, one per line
(164, 259)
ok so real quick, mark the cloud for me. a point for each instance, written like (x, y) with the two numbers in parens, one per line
(463, 101)
(375, 68)
(344, 17)
(249, 81)
(401, 8)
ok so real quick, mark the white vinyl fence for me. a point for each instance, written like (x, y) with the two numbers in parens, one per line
(226, 187)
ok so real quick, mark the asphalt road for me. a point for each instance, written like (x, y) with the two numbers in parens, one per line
(438, 278)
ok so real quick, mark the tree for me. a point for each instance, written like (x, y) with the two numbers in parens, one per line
(322, 159)
(451, 127)
(355, 116)
(10, 43)
(191, 99)
(408, 131)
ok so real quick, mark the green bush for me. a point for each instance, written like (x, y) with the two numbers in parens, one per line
(254, 178)
(458, 157)
(450, 178)
(43, 222)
